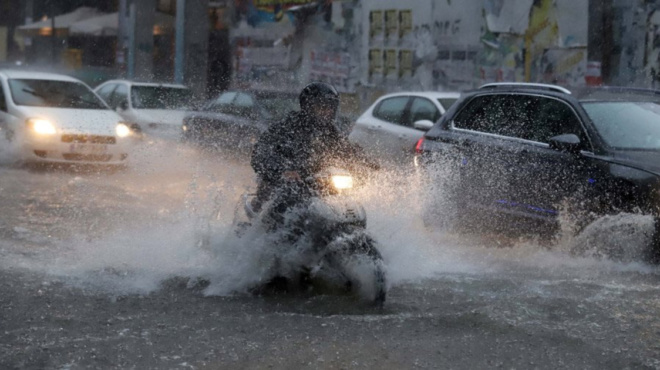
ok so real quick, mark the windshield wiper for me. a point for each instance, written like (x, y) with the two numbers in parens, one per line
(80, 99)
(34, 93)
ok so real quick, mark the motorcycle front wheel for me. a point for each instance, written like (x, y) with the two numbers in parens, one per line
(361, 262)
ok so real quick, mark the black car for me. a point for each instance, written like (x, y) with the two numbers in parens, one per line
(236, 118)
(517, 155)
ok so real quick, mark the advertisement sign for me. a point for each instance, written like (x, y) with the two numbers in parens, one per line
(333, 68)
(260, 11)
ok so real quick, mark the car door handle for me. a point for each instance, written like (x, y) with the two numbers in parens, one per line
(374, 128)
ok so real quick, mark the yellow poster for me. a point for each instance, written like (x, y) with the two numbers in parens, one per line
(375, 61)
(375, 23)
(391, 23)
(405, 23)
(390, 62)
(405, 63)
(542, 33)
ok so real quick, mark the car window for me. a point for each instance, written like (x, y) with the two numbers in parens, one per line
(277, 106)
(243, 100)
(160, 97)
(522, 116)
(551, 118)
(3, 99)
(447, 102)
(423, 109)
(222, 103)
(392, 109)
(119, 97)
(54, 94)
(243, 105)
(627, 125)
(105, 91)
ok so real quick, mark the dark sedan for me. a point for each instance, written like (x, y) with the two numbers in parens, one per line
(236, 118)
(516, 155)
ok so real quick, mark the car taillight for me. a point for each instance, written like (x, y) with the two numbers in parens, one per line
(419, 145)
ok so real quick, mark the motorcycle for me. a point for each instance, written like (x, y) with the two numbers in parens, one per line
(320, 235)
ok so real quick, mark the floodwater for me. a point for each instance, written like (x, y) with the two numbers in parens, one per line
(106, 270)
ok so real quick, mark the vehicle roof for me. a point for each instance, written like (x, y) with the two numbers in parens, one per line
(582, 93)
(33, 75)
(144, 83)
(260, 92)
(426, 94)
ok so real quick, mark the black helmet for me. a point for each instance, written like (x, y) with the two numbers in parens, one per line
(318, 93)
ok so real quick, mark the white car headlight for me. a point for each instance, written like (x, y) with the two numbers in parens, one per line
(122, 130)
(341, 182)
(41, 126)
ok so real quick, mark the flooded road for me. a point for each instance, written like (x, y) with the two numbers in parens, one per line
(105, 270)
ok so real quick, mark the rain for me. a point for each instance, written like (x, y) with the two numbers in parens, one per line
(338, 184)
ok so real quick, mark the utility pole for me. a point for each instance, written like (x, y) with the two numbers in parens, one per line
(141, 39)
(600, 30)
(122, 34)
(53, 34)
(192, 49)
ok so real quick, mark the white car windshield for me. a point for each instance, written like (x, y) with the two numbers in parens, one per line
(627, 125)
(276, 107)
(53, 94)
(160, 97)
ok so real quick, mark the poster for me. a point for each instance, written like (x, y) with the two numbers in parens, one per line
(405, 23)
(390, 63)
(375, 62)
(375, 24)
(264, 11)
(565, 66)
(391, 24)
(405, 63)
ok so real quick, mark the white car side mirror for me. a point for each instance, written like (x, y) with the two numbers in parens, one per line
(423, 125)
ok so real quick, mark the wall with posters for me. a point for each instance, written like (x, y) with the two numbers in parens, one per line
(396, 40)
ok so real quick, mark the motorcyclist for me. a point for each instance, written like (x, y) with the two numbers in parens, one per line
(303, 143)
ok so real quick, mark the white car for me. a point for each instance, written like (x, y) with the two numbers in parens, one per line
(154, 108)
(392, 125)
(49, 117)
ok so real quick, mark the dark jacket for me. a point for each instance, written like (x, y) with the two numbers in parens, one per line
(299, 144)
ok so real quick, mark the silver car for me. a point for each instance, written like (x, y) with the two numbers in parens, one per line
(154, 108)
(392, 125)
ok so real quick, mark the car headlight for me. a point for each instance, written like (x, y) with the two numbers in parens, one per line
(41, 126)
(122, 130)
(341, 182)
(184, 128)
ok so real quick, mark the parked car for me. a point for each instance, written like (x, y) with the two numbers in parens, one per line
(236, 118)
(55, 118)
(526, 152)
(149, 107)
(391, 126)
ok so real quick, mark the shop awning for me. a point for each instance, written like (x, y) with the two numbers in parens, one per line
(108, 25)
(62, 22)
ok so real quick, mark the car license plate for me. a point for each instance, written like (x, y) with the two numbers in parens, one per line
(88, 148)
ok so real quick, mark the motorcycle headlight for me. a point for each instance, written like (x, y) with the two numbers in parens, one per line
(341, 182)
(122, 130)
(41, 126)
